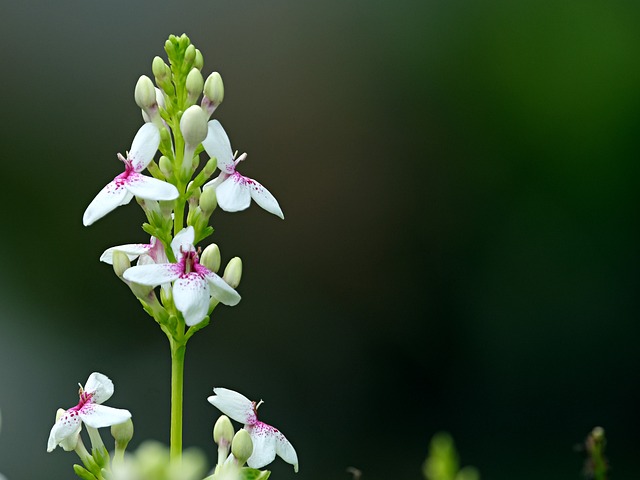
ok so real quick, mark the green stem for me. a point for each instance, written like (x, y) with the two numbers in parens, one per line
(177, 380)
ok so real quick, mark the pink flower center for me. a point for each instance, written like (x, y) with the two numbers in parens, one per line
(85, 397)
(190, 263)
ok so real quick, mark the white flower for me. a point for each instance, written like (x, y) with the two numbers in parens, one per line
(132, 183)
(193, 283)
(152, 252)
(234, 191)
(267, 440)
(89, 410)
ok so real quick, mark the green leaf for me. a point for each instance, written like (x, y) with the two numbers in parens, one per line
(254, 474)
(83, 473)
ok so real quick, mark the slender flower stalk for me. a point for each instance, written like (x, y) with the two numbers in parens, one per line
(175, 285)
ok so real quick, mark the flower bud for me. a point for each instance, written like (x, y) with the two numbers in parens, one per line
(233, 272)
(208, 200)
(210, 257)
(166, 167)
(193, 126)
(194, 84)
(242, 446)
(190, 54)
(199, 61)
(120, 263)
(159, 68)
(213, 93)
(122, 433)
(145, 93)
(162, 73)
(141, 291)
(210, 167)
(223, 431)
(194, 194)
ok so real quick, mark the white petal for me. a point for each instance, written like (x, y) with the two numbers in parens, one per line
(64, 430)
(153, 274)
(191, 297)
(66, 426)
(150, 188)
(221, 291)
(263, 197)
(156, 254)
(217, 145)
(109, 198)
(233, 194)
(216, 181)
(98, 416)
(144, 146)
(184, 239)
(234, 405)
(69, 443)
(132, 250)
(285, 450)
(264, 445)
(99, 386)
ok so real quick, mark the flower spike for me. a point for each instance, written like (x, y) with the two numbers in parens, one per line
(267, 440)
(131, 182)
(234, 191)
(89, 410)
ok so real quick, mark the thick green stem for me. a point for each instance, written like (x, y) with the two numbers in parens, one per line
(177, 379)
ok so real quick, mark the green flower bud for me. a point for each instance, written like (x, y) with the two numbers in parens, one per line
(199, 61)
(208, 200)
(210, 257)
(120, 263)
(210, 167)
(195, 194)
(193, 126)
(122, 433)
(162, 74)
(223, 431)
(213, 93)
(145, 93)
(233, 272)
(141, 291)
(190, 55)
(194, 84)
(160, 69)
(165, 139)
(166, 167)
(242, 446)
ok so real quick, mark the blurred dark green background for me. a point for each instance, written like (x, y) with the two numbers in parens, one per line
(460, 249)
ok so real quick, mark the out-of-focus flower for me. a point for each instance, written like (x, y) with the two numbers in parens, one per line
(89, 410)
(267, 440)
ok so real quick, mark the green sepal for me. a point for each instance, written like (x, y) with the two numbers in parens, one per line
(154, 170)
(101, 456)
(83, 473)
(166, 145)
(171, 324)
(204, 175)
(160, 228)
(254, 474)
(198, 326)
(202, 231)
